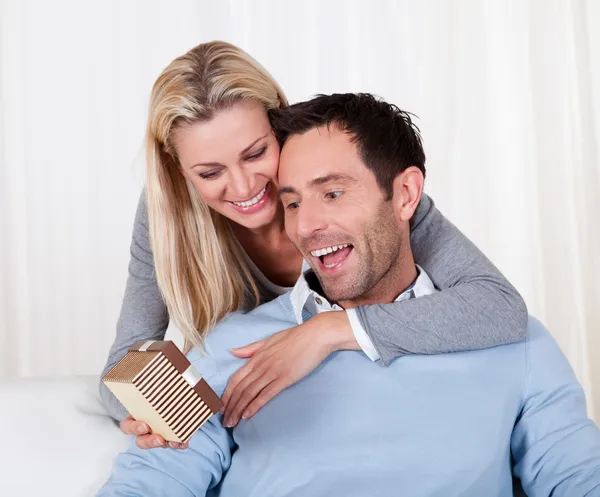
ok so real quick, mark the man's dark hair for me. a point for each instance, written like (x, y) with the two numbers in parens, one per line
(387, 139)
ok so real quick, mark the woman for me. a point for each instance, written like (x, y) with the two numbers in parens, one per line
(209, 239)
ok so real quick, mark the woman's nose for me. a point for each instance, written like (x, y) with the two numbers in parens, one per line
(241, 185)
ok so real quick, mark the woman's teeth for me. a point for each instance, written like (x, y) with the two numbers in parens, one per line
(328, 250)
(252, 201)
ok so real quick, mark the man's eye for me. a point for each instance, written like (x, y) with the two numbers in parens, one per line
(334, 195)
(257, 155)
(292, 206)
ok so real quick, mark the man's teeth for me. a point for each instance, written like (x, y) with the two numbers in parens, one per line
(252, 201)
(328, 250)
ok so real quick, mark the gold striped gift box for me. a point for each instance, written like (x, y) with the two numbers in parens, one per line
(157, 384)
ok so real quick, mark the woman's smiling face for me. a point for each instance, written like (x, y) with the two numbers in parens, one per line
(232, 162)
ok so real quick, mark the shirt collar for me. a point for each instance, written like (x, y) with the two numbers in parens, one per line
(303, 296)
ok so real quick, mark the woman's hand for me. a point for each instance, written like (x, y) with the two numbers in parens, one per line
(144, 438)
(282, 360)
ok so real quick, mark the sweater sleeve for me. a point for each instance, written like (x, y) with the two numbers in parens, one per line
(555, 447)
(143, 314)
(476, 308)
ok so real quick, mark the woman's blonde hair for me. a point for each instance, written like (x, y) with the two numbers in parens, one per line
(200, 269)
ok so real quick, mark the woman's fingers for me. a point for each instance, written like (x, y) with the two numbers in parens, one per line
(243, 397)
(236, 393)
(266, 395)
(248, 350)
(238, 378)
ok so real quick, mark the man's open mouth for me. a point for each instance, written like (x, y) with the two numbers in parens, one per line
(332, 256)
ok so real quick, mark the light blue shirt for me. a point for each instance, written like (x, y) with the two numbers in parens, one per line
(446, 425)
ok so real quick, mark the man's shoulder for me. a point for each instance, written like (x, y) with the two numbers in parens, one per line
(538, 335)
(279, 309)
(241, 328)
(544, 353)
(520, 355)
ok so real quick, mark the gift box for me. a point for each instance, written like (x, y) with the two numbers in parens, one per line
(157, 384)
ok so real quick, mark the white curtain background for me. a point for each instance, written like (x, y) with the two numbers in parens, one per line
(507, 93)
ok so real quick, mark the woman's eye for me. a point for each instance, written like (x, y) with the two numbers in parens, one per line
(334, 195)
(291, 206)
(258, 154)
(209, 175)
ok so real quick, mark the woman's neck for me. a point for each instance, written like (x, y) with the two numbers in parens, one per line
(270, 235)
(271, 251)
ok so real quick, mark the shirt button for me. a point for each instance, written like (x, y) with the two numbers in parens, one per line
(319, 301)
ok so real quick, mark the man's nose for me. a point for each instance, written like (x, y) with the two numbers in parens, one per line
(310, 219)
(241, 183)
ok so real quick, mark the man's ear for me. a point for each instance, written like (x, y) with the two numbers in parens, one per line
(407, 190)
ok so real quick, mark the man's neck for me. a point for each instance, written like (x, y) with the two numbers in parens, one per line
(390, 287)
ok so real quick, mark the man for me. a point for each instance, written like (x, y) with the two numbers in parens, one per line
(455, 424)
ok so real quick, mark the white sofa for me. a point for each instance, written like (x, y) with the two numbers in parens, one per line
(57, 440)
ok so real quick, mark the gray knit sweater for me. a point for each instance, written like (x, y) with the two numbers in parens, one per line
(477, 307)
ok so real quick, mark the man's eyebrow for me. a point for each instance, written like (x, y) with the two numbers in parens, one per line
(243, 152)
(330, 178)
(286, 189)
(321, 180)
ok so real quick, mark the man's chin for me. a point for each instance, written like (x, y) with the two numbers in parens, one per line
(337, 291)
(336, 286)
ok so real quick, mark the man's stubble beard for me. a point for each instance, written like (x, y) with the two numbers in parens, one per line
(381, 244)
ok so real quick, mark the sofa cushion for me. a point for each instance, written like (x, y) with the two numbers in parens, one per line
(57, 439)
